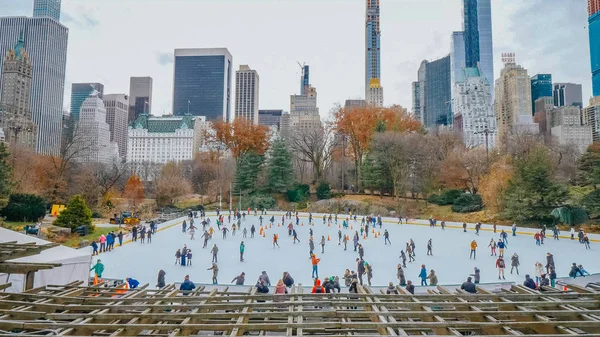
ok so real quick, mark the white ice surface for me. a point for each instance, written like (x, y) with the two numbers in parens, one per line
(450, 260)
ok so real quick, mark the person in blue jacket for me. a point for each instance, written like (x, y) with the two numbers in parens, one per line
(132, 283)
(423, 275)
(187, 286)
(529, 283)
(110, 241)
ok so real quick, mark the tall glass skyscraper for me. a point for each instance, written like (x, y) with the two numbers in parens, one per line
(594, 33)
(437, 93)
(541, 86)
(477, 27)
(373, 89)
(46, 9)
(202, 83)
(46, 41)
(304, 79)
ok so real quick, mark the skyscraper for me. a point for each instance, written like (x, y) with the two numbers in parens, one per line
(432, 93)
(594, 34)
(373, 89)
(79, 93)
(457, 59)
(117, 112)
(477, 27)
(473, 109)
(304, 113)
(45, 39)
(91, 142)
(567, 94)
(541, 86)
(140, 97)
(304, 79)
(513, 100)
(15, 115)
(202, 83)
(246, 94)
(46, 9)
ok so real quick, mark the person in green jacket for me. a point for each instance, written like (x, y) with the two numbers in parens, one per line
(242, 246)
(98, 268)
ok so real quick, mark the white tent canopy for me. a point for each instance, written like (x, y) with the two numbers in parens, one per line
(75, 263)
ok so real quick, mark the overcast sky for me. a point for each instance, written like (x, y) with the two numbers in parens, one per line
(111, 40)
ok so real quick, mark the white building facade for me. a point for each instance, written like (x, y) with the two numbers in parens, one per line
(160, 140)
(473, 109)
(117, 111)
(246, 94)
(92, 134)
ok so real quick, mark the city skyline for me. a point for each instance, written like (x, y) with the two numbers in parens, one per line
(336, 58)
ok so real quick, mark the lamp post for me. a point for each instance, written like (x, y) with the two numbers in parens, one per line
(486, 132)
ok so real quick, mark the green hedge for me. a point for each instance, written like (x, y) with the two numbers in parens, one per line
(447, 197)
(24, 207)
(467, 203)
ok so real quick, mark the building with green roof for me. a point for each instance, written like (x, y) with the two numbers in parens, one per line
(164, 139)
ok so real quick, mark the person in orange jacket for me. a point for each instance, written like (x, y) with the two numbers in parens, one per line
(315, 267)
(317, 288)
(275, 237)
(473, 250)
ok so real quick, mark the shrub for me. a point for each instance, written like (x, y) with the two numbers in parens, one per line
(76, 214)
(24, 207)
(259, 201)
(467, 203)
(323, 191)
(447, 197)
(434, 199)
(299, 193)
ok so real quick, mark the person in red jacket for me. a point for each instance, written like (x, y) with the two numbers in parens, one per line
(315, 267)
(500, 264)
(317, 288)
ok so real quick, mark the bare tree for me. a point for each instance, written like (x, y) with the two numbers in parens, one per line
(313, 146)
(110, 176)
(391, 151)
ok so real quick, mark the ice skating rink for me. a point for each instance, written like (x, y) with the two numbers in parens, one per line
(450, 258)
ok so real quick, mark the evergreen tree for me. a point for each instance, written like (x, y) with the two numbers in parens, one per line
(591, 203)
(24, 207)
(247, 172)
(589, 166)
(532, 193)
(280, 174)
(76, 214)
(6, 178)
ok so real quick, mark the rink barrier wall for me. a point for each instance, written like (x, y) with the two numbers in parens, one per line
(452, 224)
(73, 310)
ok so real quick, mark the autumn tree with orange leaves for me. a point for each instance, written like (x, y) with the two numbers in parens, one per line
(360, 123)
(134, 191)
(241, 136)
(494, 184)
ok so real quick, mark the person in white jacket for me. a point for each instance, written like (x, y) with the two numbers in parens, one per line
(539, 271)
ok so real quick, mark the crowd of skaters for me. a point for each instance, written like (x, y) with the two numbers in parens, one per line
(363, 268)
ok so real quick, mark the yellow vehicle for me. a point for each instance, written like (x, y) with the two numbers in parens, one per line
(126, 218)
(56, 209)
